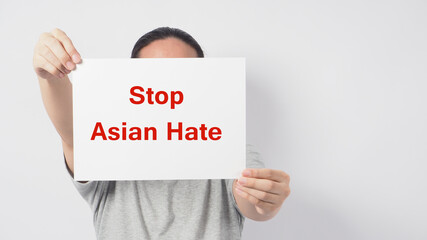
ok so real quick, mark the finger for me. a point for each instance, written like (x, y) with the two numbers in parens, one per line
(265, 173)
(264, 196)
(46, 53)
(56, 47)
(68, 44)
(49, 68)
(261, 184)
(253, 200)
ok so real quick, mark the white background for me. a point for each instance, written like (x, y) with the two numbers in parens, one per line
(336, 97)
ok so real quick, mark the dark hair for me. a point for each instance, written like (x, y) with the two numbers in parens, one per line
(162, 33)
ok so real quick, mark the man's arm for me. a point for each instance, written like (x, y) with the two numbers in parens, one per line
(54, 58)
(260, 193)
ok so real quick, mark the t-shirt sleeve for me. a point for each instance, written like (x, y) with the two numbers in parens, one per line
(253, 157)
(253, 160)
(91, 191)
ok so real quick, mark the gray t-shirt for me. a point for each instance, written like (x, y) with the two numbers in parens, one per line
(166, 209)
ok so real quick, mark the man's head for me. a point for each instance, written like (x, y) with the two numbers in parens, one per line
(166, 42)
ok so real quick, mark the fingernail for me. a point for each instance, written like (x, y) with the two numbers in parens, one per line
(246, 173)
(70, 65)
(242, 181)
(76, 58)
(239, 191)
(61, 75)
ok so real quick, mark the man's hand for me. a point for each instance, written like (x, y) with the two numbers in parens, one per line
(260, 193)
(54, 58)
(54, 55)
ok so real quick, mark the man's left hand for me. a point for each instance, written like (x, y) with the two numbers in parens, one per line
(266, 189)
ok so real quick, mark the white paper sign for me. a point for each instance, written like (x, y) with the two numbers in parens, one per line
(163, 118)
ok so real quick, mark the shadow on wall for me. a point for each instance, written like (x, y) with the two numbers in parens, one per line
(317, 219)
(314, 219)
(266, 116)
(261, 115)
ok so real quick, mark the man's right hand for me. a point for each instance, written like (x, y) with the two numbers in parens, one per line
(55, 55)
(54, 58)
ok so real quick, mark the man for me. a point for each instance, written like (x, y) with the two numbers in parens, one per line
(172, 209)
